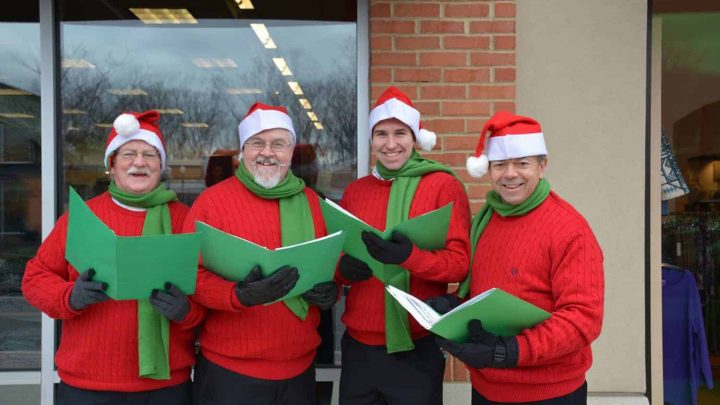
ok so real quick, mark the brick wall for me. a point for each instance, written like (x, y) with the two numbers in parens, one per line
(456, 61)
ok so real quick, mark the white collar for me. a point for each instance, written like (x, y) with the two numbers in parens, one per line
(127, 207)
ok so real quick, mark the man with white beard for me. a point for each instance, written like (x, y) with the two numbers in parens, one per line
(254, 353)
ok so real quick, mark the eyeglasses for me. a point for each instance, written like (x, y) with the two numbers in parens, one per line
(259, 145)
(130, 155)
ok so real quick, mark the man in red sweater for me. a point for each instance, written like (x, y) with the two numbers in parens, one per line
(254, 352)
(532, 244)
(98, 359)
(387, 357)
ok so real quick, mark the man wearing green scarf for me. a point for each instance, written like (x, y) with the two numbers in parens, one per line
(386, 356)
(120, 352)
(528, 241)
(255, 350)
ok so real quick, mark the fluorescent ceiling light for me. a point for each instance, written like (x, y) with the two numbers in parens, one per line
(128, 92)
(305, 103)
(104, 125)
(73, 111)
(282, 66)
(164, 15)
(312, 116)
(263, 35)
(16, 115)
(240, 91)
(245, 4)
(318, 125)
(76, 64)
(174, 111)
(194, 125)
(295, 87)
(209, 63)
(14, 92)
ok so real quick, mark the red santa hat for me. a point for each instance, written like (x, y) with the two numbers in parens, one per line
(393, 103)
(135, 126)
(511, 137)
(261, 117)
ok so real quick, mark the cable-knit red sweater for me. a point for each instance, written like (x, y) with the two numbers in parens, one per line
(262, 341)
(430, 271)
(99, 345)
(550, 258)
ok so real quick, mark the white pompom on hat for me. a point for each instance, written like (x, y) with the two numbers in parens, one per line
(393, 103)
(511, 137)
(135, 126)
(261, 117)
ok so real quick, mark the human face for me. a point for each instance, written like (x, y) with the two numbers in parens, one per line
(392, 143)
(516, 179)
(267, 156)
(136, 167)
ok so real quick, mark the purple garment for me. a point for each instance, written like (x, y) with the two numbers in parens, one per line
(686, 362)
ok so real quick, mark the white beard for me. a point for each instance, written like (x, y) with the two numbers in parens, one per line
(267, 182)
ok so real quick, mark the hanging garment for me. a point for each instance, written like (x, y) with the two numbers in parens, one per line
(673, 183)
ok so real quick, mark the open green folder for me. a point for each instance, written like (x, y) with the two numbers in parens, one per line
(132, 266)
(427, 231)
(232, 257)
(501, 313)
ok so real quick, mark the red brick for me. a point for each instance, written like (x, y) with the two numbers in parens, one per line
(467, 42)
(410, 90)
(467, 10)
(468, 179)
(386, 26)
(443, 59)
(486, 27)
(380, 42)
(492, 59)
(504, 75)
(427, 107)
(442, 27)
(506, 92)
(417, 75)
(504, 9)
(448, 369)
(460, 372)
(504, 42)
(467, 75)
(475, 205)
(504, 106)
(477, 191)
(476, 125)
(416, 10)
(445, 125)
(464, 142)
(417, 42)
(380, 75)
(448, 158)
(393, 58)
(443, 92)
(380, 10)
(465, 108)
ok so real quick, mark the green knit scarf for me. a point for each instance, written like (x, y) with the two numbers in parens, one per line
(405, 183)
(296, 223)
(153, 328)
(494, 203)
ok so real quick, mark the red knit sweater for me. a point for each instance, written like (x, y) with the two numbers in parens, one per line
(262, 341)
(99, 345)
(430, 271)
(550, 258)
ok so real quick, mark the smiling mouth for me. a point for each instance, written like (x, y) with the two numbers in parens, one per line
(512, 187)
(391, 154)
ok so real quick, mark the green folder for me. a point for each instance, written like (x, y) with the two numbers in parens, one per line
(427, 231)
(501, 313)
(132, 266)
(232, 257)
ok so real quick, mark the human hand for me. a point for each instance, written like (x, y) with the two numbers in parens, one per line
(86, 292)
(255, 289)
(353, 269)
(443, 303)
(393, 251)
(484, 348)
(173, 304)
(323, 295)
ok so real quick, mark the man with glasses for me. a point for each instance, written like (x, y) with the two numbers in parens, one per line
(531, 243)
(102, 356)
(252, 351)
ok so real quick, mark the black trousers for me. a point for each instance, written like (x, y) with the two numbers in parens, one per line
(180, 394)
(577, 397)
(215, 385)
(372, 376)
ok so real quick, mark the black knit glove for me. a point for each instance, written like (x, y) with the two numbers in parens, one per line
(173, 304)
(86, 292)
(353, 269)
(443, 303)
(255, 289)
(484, 348)
(393, 251)
(323, 295)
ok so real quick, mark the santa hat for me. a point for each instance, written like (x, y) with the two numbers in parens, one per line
(395, 104)
(511, 137)
(135, 126)
(261, 117)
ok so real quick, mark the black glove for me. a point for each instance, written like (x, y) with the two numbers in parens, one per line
(173, 304)
(255, 289)
(86, 292)
(353, 269)
(443, 303)
(393, 251)
(323, 295)
(484, 348)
